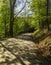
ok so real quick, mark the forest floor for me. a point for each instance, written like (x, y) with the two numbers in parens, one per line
(22, 50)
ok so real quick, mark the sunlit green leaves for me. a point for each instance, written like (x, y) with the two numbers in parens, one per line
(4, 17)
(39, 9)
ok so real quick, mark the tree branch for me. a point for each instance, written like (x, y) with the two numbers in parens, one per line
(21, 9)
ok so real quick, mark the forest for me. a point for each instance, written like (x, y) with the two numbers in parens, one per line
(25, 32)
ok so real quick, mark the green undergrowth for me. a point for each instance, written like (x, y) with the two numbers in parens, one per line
(38, 35)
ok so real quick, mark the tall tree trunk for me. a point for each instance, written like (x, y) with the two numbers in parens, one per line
(47, 14)
(12, 3)
(11, 19)
(5, 29)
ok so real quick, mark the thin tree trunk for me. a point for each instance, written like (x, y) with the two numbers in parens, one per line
(5, 29)
(47, 14)
(11, 20)
(12, 3)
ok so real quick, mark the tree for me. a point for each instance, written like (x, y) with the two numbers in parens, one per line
(12, 6)
(40, 9)
(8, 15)
(4, 15)
(47, 14)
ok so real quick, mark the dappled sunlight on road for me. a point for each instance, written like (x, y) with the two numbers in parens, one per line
(18, 51)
